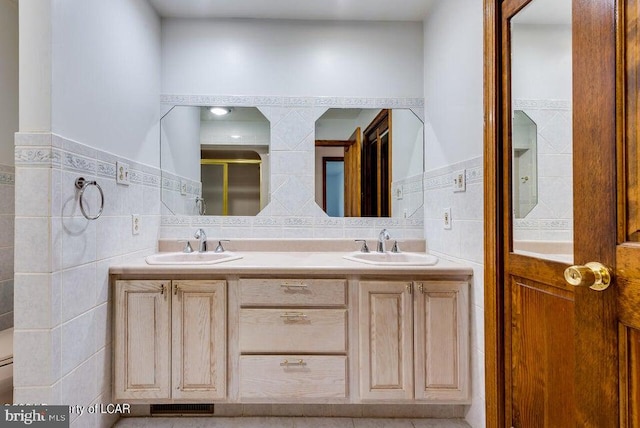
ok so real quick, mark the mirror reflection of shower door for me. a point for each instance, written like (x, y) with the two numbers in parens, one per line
(231, 187)
(212, 176)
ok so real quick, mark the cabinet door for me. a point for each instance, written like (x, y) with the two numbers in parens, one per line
(441, 326)
(386, 341)
(199, 340)
(141, 340)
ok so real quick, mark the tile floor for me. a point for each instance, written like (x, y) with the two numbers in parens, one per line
(287, 422)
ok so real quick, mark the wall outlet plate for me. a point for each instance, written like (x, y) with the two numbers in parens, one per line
(446, 218)
(183, 187)
(460, 180)
(122, 173)
(135, 224)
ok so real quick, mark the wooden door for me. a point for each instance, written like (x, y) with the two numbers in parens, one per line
(441, 312)
(551, 348)
(141, 340)
(628, 250)
(352, 176)
(199, 348)
(386, 340)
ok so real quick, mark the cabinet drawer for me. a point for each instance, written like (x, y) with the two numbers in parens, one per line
(293, 292)
(293, 330)
(293, 377)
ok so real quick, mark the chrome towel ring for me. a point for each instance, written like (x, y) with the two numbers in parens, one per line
(82, 184)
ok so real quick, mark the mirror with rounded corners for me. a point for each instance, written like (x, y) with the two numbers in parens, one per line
(369, 162)
(214, 160)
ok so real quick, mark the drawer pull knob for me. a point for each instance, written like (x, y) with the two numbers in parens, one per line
(287, 363)
(294, 286)
(292, 316)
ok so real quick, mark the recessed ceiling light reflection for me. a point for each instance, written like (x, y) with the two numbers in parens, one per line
(220, 111)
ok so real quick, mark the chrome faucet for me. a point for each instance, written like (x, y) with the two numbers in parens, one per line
(382, 237)
(202, 246)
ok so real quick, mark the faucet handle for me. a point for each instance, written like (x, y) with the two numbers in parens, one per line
(187, 247)
(365, 248)
(395, 248)
(220, 248)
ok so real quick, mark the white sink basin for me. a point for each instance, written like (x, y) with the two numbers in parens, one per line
(195, 258)
(393, 259)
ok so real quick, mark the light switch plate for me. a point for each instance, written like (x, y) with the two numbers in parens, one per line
(446, 218)
(399, 192)
(460, 181)
(135, 224)
(183, 187)
(122, 173)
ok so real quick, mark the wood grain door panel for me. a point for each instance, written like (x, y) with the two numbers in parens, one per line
(542, 360)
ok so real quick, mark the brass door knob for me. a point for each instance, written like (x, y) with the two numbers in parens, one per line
(593, 275)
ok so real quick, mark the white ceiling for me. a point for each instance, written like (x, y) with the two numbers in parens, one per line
(359, 10)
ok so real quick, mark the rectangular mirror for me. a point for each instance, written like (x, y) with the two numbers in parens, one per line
(541, 130)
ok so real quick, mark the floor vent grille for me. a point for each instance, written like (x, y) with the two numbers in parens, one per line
(181, 409)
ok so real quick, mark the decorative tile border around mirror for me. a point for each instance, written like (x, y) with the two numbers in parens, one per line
(415, 104)
(292, 211)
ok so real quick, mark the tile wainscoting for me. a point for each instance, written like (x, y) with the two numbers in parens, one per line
(62, 343)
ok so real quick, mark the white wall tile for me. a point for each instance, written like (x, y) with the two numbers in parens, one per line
(36, 357)
(38, 297)
(78, 291)
(78, 241)
(32, 255)
(33, 192)
(78, 342)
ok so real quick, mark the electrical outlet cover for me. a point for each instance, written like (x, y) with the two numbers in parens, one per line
(460, 181)
(122, 173)
(135, 224)
(446, 218)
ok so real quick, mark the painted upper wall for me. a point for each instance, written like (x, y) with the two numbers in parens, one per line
(541, 61)
(106, 76)
(292, 58)
(8, 79)
(453, 82)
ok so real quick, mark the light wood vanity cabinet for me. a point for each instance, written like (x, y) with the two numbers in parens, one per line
(414, 340)
(292, 340)
(170, 340)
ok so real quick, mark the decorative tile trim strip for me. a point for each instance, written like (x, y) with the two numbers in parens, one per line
(412, 184)
(551, 224)
(36, 156)
(106, 170)
(247, 101)
(442, 177)
(79, 163)
(522, 104)
(71, 155)
(7, 178)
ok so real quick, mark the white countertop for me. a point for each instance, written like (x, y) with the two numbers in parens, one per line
(287, 263)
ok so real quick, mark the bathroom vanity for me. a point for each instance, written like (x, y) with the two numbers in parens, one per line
(291, 327)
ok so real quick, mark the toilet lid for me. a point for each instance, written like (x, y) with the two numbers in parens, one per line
(6, 347)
